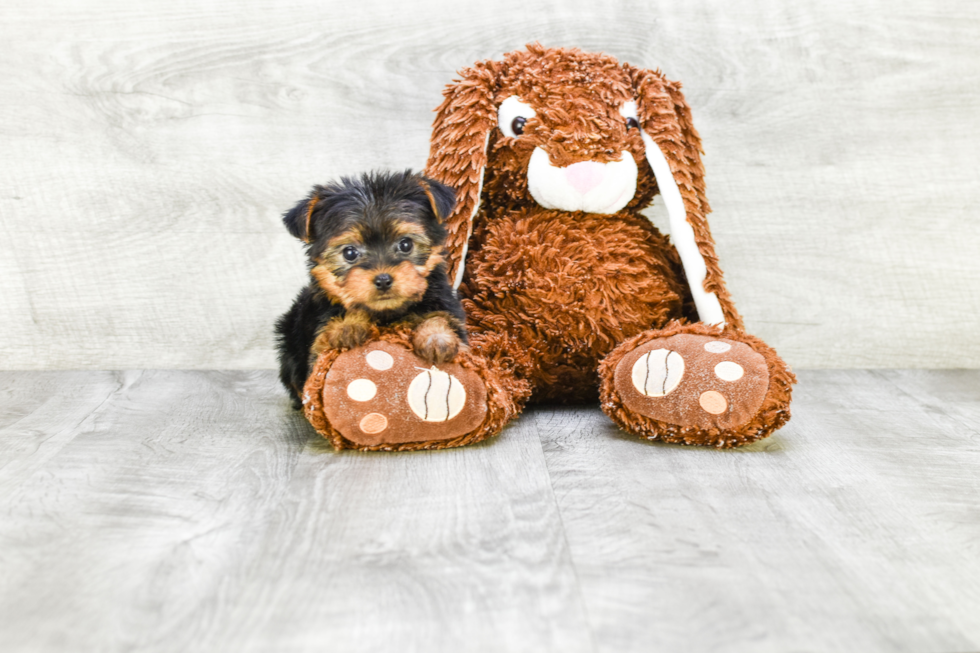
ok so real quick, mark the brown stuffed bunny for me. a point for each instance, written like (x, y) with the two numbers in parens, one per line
(571, 293)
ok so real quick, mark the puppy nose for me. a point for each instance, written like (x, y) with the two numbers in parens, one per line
(585, 175)
(382, 281)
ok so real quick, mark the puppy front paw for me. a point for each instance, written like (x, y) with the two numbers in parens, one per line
(435, 341)
(353, 330)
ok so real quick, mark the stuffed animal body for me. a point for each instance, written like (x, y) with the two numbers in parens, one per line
(554, 153)
(565, 193)
(570, 291)
(578, 289)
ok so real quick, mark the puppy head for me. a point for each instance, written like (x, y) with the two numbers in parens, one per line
(374, 240)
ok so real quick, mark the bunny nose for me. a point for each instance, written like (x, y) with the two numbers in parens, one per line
(585, 176)
(382, 281)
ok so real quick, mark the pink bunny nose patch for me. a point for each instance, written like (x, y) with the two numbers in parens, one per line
(585, 176)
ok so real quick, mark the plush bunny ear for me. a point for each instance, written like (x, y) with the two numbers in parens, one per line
(673, 149)
(297, 219)
(458, 153)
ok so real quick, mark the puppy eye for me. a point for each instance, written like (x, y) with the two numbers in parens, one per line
(631, 123)
(512, 115)
(350, 254)
(405, 245)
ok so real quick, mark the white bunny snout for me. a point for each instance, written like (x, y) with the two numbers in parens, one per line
(588, 186)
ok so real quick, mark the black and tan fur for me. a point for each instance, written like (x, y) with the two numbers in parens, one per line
(375, 247)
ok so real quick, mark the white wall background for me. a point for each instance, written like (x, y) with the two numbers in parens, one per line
(147, 150)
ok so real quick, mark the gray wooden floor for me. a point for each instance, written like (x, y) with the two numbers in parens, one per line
(193, 511)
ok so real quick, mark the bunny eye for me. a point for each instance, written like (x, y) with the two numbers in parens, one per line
(628, 111)
(512, 115)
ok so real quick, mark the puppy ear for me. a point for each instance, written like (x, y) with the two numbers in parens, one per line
(673, 150)
(298, 218)
(458, 152)
(442, 198)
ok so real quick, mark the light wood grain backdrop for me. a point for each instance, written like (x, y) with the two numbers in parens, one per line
(148, 149)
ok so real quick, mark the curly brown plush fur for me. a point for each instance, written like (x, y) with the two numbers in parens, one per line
(548, 292)
(570, 291)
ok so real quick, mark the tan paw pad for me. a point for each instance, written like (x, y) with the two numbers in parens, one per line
(383, 394)
(373, 423)
(693, 380)
(713, 402)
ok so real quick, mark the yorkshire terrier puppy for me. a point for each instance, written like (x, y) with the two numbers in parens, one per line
(375, 247)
